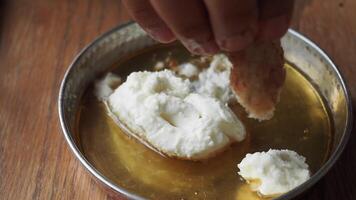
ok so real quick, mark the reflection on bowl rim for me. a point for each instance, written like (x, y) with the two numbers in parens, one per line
(295, 192)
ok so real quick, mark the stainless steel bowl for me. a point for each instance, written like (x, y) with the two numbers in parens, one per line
(109, 48)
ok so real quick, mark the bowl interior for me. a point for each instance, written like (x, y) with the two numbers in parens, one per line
(117, 44)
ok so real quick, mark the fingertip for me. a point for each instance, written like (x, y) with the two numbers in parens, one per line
(273, 28)
(234, 23)
(200, 47)
(238, 41)
(162, 34)
(210, 48)
(145, 15)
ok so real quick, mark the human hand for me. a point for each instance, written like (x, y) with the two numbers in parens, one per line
(209, 26)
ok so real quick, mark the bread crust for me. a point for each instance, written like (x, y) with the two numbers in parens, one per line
(257, 78)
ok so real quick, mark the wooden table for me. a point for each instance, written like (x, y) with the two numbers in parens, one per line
(38, 40)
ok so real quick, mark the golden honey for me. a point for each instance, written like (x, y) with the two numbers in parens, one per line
(301, 123)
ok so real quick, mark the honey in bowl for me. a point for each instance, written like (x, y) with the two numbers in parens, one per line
(301, 123)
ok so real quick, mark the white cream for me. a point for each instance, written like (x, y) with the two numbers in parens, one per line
(274, 172)
(160, 108)
(103, 88)
(159, 66)
(188, 70)
(215, 80)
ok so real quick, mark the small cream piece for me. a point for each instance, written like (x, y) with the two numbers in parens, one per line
(215, 80)
(188, 70)
(160, 108)
(159, 66)
(274, 172)
(104, 87)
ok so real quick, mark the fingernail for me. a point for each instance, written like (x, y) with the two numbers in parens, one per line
(237, 42)
(206, 48)
(163, 35)
(210, 48)
(192, 45)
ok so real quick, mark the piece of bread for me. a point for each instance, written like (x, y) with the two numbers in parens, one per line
(257, 77)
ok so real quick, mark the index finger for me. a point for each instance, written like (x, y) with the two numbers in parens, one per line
(144, 14)
(274, 18)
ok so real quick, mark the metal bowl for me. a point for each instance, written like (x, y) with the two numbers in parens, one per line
(109, 48)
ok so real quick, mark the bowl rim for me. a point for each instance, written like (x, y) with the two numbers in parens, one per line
(289, 195)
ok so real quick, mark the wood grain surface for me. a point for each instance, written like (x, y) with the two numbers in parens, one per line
(38, 40)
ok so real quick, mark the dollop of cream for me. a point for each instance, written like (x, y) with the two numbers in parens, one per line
(104, 87)
(188, 70)
(274, 172)
(215, 80)
(161, 108)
